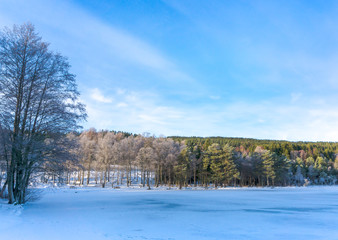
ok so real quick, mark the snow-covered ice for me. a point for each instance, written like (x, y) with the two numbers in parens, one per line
(244, 213)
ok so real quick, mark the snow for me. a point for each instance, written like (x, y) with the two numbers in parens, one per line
(242, 213)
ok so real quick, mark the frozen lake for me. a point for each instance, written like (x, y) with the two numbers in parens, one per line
(247, 213)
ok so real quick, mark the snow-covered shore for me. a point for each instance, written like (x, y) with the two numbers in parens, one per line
(237, 213)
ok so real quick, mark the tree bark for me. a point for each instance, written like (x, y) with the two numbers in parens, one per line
(3, 189)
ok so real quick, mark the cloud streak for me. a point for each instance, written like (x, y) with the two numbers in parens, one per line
(87, 31)
(139, 112)
(96, 95)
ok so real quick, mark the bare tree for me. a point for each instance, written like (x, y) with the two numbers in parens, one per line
(105, 154)
(146, 158)
(88, 145)
(38, 101)
(167, 150)
(72, 162)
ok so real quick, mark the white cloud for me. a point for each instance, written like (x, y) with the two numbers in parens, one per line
(98, 96)
(122, 105)
(144, 112)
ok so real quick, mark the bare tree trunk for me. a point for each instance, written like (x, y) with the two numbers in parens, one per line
(10, 182)
(161, 176)
(3, 189)
(169, 177)
(101, 177)
(105, 178)
(82, 178)
(112, 181)
(108, 165)
(88, 175)
(130, 170)
(127, 173)
(195, 184)
(158, 176)
(118, 177)
(148, 184)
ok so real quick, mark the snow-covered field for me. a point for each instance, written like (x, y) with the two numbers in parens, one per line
(246, 213)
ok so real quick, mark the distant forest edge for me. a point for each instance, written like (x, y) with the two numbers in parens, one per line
(123, 158)
(280, 147)
(115, 158)
(281, 162)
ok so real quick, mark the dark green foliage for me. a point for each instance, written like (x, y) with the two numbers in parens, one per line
(252, 162)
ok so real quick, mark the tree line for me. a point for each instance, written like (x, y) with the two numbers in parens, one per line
(270, 162)
(113, 159)
(118, 158)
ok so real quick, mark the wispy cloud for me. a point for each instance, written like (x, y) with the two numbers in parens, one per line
(308, 120)
(122, 105)
(89, 34)
(98, 96)
(133, 111)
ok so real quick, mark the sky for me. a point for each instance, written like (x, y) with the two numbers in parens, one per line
(258, 69)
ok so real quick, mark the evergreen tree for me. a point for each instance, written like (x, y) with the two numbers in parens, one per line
(269, 166)
(231, 172)
(214, 153)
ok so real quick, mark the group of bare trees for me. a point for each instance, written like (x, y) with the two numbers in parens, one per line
(119, 158)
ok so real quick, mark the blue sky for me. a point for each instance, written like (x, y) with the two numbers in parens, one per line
(260, 69)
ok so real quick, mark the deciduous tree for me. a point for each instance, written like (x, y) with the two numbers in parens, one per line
(38, 104)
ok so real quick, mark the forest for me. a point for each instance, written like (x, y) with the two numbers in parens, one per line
(112, 159)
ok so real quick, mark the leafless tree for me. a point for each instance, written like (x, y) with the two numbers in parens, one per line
(167, 152)
(38, 104)
(105, 154)
(146, 158)
(88, 145)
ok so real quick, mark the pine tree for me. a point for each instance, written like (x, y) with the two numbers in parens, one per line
(214, 153)
(269, 168)
(231, 172)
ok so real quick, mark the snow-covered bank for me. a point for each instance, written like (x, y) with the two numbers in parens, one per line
(243, 213)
